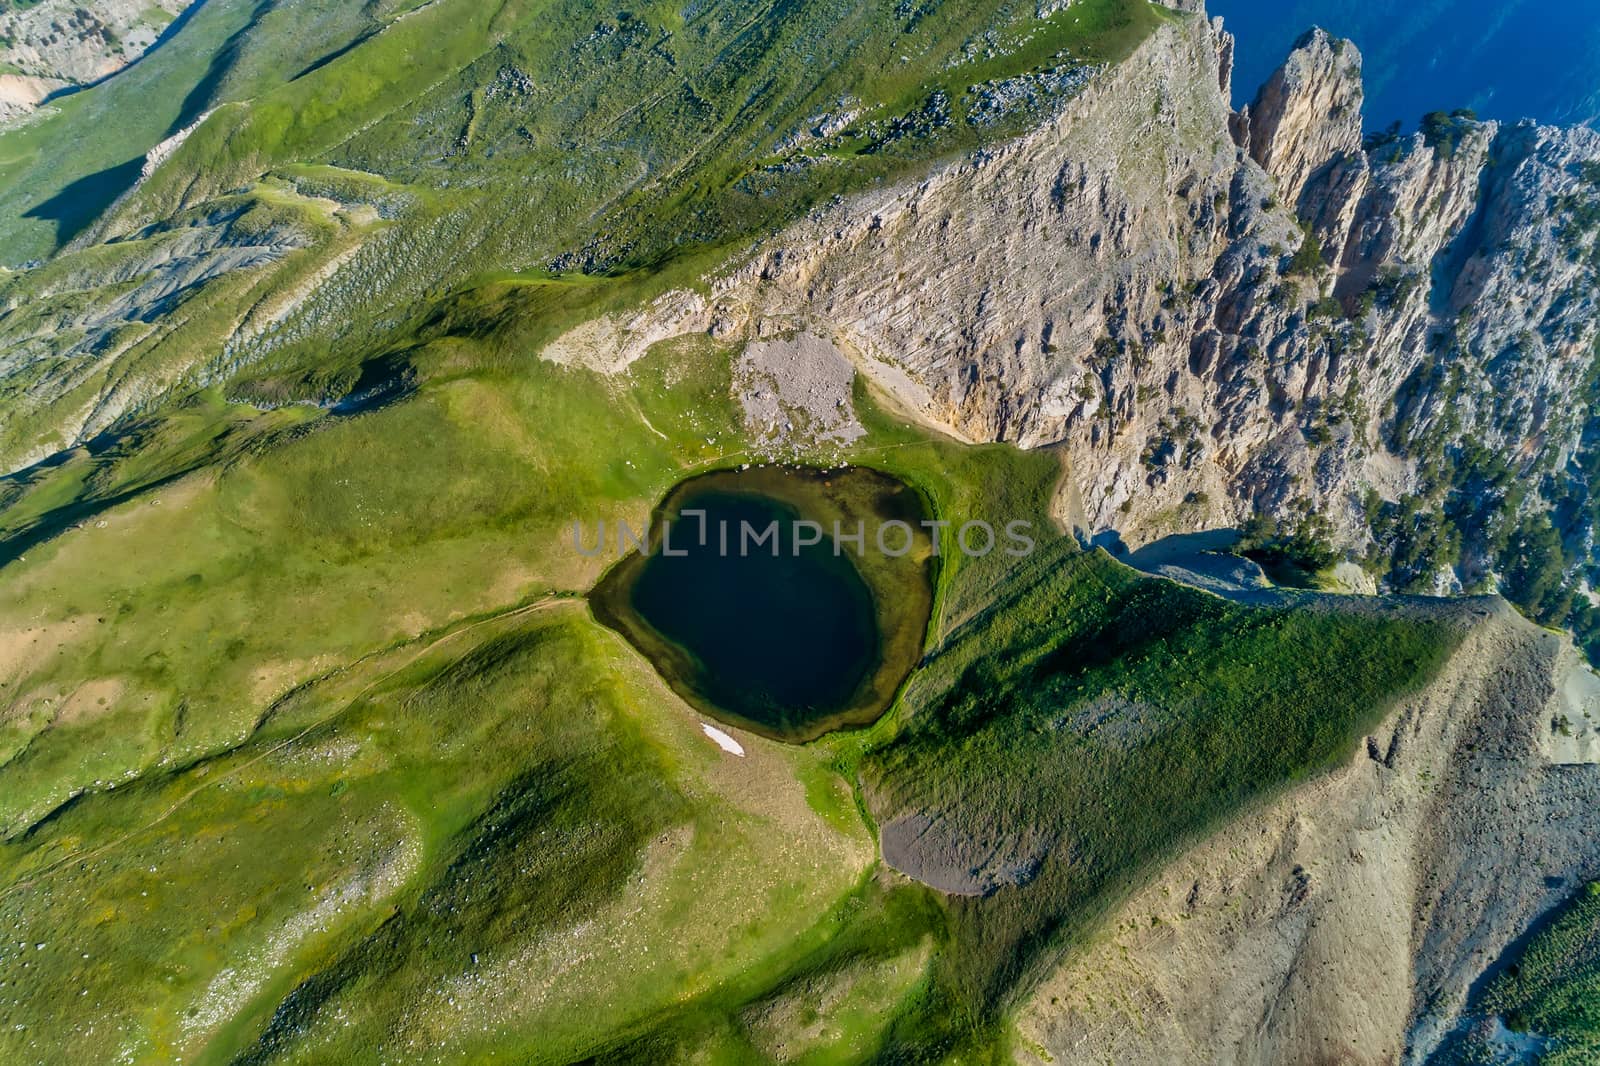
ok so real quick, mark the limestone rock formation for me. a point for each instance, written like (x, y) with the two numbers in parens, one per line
(1208, 331)
(1308, 114)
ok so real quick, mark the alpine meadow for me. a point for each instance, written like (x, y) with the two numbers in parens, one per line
(793, 532)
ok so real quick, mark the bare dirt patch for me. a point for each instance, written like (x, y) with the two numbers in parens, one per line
(23, 649)
(957, 861)
(610, 343)
(91, 700)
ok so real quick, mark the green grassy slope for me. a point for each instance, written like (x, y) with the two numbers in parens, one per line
(60, 170)
(1548, 997)
(312, 549)
(572, 106)
(321, 755)
(421, 845)
(309, 750)
(1114, 718)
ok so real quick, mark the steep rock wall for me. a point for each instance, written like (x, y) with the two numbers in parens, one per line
(1131, 282)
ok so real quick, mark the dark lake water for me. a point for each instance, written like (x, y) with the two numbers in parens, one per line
(1506, 59)
(774, 635)
(786, 638)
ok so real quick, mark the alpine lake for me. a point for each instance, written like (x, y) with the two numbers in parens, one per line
(757, 614)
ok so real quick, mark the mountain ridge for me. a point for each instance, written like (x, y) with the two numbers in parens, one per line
(1299, 311)
(313, 751)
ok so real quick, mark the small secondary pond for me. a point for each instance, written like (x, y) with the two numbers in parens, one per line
(756, 615)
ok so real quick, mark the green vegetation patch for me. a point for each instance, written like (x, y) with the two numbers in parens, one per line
(1090, 720)
(1548, 998)
(1291, 550)
(463, 845)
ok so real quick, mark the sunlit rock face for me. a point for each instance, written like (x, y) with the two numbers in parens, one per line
(1130, 281)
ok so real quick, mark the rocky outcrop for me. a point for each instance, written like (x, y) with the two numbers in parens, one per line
(97, 332)
(1347, 921)
(54, 44)
(1308, 114)
(943, 854)
(1129, 284)
(985, 295)
(20, 94)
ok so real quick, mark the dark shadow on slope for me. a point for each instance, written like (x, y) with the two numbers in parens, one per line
(204, 93)
(383, 381)
(76, 206)
(1206, 560)
(104, 451)
(336, 53)
(63, 518)
(1147, 615)
(1511, 955)
(172, 29)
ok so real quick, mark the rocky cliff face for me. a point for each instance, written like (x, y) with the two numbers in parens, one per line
(1347, 922)
(1213, 313)
(1307, 114)
(96, 332)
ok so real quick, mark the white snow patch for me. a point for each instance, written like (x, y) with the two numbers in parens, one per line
(724, 741)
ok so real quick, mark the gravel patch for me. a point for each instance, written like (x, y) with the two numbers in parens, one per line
(795, 393)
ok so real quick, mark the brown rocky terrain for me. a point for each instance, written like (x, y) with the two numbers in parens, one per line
(1132, 280)
(1347, 921)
